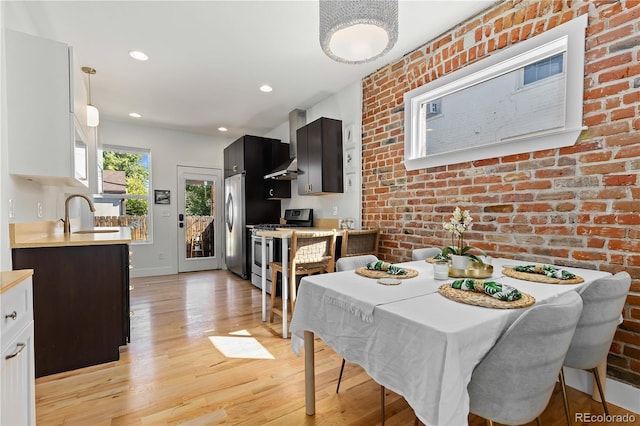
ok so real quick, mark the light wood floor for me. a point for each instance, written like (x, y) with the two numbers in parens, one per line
(172, 373)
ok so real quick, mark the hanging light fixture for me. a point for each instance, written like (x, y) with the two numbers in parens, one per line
(93, 115)
(354, 32)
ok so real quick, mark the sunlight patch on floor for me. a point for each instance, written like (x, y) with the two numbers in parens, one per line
(239, 344)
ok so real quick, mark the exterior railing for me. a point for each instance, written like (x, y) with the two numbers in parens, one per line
(198, 228)
(139, 225)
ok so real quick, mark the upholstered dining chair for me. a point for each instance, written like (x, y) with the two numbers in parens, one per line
(603, 302)
(424, 253)
(359, 242)
(513, 383)
(349, 264)
(311, 253)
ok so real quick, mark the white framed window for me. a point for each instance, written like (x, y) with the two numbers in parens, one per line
(525, 98)
(126, 197)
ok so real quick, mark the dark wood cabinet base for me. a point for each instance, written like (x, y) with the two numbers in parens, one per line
(81, 304)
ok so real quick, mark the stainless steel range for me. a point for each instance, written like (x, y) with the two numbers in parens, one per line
(294, 218)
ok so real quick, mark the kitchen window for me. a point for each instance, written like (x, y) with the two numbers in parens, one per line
(125, 199)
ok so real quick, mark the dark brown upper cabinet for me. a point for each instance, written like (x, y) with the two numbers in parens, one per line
(320, 157)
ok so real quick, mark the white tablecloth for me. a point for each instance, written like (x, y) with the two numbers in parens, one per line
(424, 347)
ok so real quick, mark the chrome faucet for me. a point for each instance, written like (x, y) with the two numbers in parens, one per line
(67, 223)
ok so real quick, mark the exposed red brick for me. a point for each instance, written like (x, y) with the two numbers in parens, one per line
(623, 113)
(578, 204)
(617, 180)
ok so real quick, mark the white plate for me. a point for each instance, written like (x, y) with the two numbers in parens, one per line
(389, 281)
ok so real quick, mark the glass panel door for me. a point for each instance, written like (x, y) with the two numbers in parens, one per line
(198, 210)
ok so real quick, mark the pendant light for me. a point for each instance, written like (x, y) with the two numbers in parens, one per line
(93, 115)
(358, 31)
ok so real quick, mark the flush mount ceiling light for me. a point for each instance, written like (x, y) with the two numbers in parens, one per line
(266, 88)
(135, 115)
(354, 32)
(93, 115)
(222, 129)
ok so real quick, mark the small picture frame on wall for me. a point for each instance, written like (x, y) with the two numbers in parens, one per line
(350, 182)
(350, 160)
(162, 196)
(348, 138)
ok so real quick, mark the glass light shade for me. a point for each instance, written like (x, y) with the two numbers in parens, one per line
(93, 116)
(358, 31)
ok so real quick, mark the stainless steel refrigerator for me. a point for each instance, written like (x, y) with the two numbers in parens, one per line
(235, 224)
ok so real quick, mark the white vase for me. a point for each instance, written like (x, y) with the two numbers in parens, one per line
(459, 262)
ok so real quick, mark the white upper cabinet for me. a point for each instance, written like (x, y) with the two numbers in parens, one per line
(46, 142)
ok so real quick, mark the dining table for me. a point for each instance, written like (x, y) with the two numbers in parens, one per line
(409, 337)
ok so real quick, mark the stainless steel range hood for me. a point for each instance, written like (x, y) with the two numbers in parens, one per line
(289, 169)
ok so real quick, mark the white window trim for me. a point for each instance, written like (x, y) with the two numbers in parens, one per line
(149, 197)
(569, 38)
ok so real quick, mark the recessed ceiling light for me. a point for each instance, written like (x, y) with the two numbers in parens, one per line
(134, 115)
(266, 88)
(222, 129)
(140, 56)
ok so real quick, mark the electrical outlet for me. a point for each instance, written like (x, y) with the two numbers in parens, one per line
(40, 209)
(161, 256)
(335, 210)
(12, 209)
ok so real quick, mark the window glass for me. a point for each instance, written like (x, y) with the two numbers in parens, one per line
(543, 69)
(125, 199)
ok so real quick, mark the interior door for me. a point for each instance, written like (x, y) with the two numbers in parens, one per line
(200, 217)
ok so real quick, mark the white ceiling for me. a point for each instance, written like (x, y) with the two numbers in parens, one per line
(208, 58)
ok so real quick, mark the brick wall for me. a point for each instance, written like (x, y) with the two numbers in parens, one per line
(577, 206)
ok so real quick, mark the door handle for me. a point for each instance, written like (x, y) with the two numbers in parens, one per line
(270, 192)
(230, 212)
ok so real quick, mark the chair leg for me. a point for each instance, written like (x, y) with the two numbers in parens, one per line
(538, 421)
(599, 384)
(382, 402)
(563, 386)
(340, 376)
(489, 422)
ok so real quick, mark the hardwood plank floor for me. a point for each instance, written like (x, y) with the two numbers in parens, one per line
(172, 373)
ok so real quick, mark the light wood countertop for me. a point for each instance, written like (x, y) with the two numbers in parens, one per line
(49, 234)
(9, 279)
(286, 232)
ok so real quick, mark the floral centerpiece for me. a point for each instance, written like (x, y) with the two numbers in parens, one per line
(460, 222)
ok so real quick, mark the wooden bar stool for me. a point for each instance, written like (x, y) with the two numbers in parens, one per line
(311, 253)
(357, 243)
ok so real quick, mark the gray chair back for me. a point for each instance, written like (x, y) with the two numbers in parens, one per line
(424, 253)
(354, 262)
(603, 302)
(513, 383)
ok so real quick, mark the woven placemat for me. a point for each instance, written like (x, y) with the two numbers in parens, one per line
(540, 278)
(382, 274)
(484, 300)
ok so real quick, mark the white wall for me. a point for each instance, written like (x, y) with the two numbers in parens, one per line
(345, 105)
(169, 149)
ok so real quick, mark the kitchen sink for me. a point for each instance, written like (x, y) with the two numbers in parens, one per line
(95, 231)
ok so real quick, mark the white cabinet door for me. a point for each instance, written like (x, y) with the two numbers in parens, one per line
(40, 121)
(17, 389)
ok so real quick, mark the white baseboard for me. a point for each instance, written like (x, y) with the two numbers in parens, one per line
(617, 393)
(151, 272)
